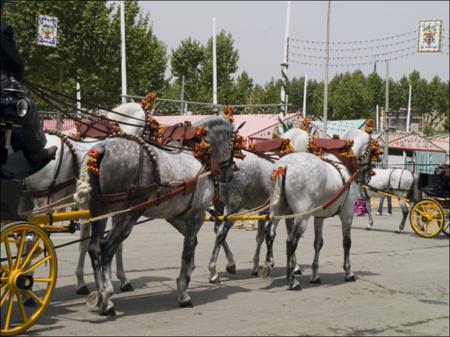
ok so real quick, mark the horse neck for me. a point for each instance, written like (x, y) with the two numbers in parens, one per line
(45, 177)
(298, 138)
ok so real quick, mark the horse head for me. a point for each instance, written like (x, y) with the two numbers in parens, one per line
(220, 139)
(365, 149)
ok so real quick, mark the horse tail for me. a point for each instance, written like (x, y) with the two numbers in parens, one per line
(89, 176)
(278, 177)
(414, 192)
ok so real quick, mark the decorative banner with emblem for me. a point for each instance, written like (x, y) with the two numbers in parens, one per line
(430, 32)
(47, 30)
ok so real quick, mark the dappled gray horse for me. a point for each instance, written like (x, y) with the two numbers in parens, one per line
(305, 183)
(400, 182)
(250, 188)
(145, 173)
(57, 180)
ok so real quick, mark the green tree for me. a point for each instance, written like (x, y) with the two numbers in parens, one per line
(242, 88)
(88, 48)
(227, 65)
(375, 85)
(145, 54)
(187, 61)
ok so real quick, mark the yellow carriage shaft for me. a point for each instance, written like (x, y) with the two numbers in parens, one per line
(56, 217)
(386, 193)
(239, 217)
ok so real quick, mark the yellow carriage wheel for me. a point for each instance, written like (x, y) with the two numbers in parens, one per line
(427, 218)
(446, 229)
(28, 275)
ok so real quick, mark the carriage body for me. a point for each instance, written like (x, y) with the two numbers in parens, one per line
(430, 216)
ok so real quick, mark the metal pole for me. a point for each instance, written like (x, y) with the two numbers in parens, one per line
(386, 121)
(182, 112)
(305, 85)
(408, 118)
(377, 114)
(123, 52)
(214, 63)
(325, 92)
(285, 64)
(78, 98)
(59, 120)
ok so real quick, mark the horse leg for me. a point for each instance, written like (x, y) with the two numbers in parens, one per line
(260, 234)
(94, 250)
(297, 269)
(405, 211)
(318, 243)
(369, 210)
(271, 232)
(82, 288)
(122, 227)
(294, 236)
(231, 264)
(221, 234)
(193, 225)
(346, 216)
(125, 284)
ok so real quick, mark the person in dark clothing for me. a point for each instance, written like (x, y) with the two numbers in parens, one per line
(31, 138)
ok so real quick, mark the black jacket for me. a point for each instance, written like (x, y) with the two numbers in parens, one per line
(11, 62)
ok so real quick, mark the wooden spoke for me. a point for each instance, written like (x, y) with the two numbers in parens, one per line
(31, 252)
(35, 297)
(4, 295)
(9, 311)
(48, 280)
(19, 252)
(37, 264)
(8, 253)
(23, 313)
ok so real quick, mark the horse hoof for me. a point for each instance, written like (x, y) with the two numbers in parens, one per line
(263, 271)
(350, 278)
(186, 304)
(127, 287)
(231, 269)
(93, 300)
(298, 271)
(84, 290)
(29, 302)
(111, 312)
(254, 273)
(316, 281)
(368, 228)
(295, 286)
(215, 279)
(398, 231)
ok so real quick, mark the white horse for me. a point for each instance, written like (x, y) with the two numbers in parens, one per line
(400, 182)
(307, 184)
(250, 188)
(57, 180)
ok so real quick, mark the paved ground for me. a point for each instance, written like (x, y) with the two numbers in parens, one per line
(402, 287)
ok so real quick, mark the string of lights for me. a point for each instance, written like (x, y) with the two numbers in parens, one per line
(354, 57)
(414, 32)
(352, 65)
(354, 49)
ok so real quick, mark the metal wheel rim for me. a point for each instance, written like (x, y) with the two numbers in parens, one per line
(15, 267)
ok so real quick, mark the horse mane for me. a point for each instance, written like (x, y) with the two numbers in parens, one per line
(219, 131)
(360, 140)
